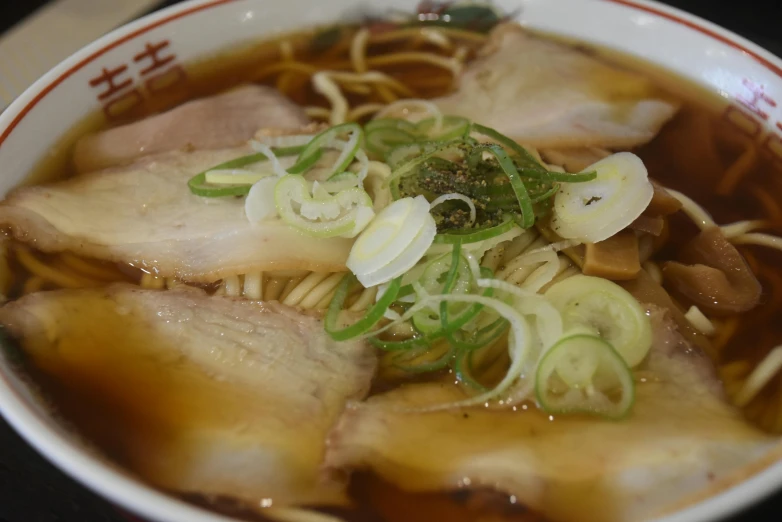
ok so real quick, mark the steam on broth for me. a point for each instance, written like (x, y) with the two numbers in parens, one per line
(674, 338)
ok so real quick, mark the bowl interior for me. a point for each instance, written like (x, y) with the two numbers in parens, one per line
(747, 79)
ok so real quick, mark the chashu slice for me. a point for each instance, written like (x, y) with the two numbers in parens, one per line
(224, 120)
(681, 442)
(196, 394)
(546, 94)
(144, 214)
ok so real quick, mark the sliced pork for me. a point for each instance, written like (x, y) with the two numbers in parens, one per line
(221, 121)
(145, 214)
(680, 439)
(196, 394)
(546, 94)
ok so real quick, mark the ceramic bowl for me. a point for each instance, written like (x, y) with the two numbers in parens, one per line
(747, 79)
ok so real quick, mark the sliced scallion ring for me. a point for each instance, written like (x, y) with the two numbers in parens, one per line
(391, 123)
(381, 140)
(199, 185)
(452, 127)
(507, 166)
(370, 319)
(314, 149)
(595, 210)
(522, 155)
(234, 177)
(394, 241)
(606, 308)
(343, 214)
(476, 234)
(423, 360)
(457, 279)
(606, 386)
(338, 182)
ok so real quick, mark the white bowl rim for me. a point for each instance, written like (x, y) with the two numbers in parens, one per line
(154, 505)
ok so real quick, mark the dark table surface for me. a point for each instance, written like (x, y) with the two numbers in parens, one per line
(32, 490)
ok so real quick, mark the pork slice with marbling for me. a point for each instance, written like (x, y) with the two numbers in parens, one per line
(546, 94)
(682, 438)
(145, 214)
(224, 120)
(192, 393)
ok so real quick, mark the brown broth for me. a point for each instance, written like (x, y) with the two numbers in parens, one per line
(696, 169)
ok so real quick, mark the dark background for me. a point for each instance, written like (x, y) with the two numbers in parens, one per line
(31, 490)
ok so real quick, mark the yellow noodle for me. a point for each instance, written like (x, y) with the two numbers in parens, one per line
(517, 246)
(291, 285)
(317, 112)
(386, 94)
(33, 284)
(493, 257)
(284, 81)
(568, 272)
(450, 64)
(422, 82)
(460, 55)
(151, 281)
(403, 34)
(725, 332)
(49, 273)
(172, 282)
(654, 271)
(296, 294)
(736, 173)
(253, 286)
(518, 263)
(735, 370)
(274, 288)
(769, 204)
(357, 88)
(322, 290)
(288, 274)
(363, 111)
(364, 300)
(286, 51)
(323, 304)
(374, 77)
(233, 287)
(298, 67)
(358, 50)
(90, 269)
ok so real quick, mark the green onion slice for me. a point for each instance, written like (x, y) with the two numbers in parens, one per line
(548, 175)
(523, 154)
(453, 325)
(461, 370)
(453, 127)
(381, 140)
(314, 149)
(370, 319)
(483, 337)
(199, 186)
(424, 360)
(601, 382)
(476, 234)
(391, 123)
(507, 166)
(405, 158)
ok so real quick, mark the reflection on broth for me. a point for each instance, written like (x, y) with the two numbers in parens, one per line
(179, 383)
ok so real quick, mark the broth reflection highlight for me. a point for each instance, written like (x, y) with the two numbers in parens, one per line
(382, 72)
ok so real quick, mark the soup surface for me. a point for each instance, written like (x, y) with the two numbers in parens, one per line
(105, 389)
